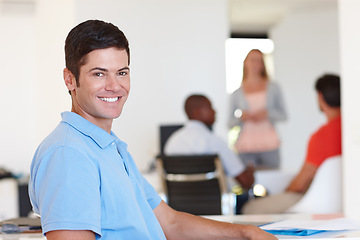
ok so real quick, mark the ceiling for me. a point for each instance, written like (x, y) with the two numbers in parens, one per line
(246, 16)
(257, 16)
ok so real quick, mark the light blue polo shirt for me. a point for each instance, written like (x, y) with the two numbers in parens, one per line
(83, 178)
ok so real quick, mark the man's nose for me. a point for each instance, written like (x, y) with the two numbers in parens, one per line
(112, 83)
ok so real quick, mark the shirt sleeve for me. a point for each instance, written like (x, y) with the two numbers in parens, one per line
(276, 109)
(318, 147)
(237, 102)
(152, 196)
(325, 142)
(67, 192)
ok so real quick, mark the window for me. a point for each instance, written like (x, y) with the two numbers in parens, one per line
(236, 50)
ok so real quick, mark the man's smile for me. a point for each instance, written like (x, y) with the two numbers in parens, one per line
(109, 99)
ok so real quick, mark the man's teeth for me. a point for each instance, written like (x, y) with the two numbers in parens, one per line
(114, 99)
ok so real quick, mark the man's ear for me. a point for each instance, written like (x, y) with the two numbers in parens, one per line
(196, 113)
(321, 101)
(69, 79)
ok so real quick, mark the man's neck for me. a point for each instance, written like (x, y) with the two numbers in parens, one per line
(332, 113)
(103, 123)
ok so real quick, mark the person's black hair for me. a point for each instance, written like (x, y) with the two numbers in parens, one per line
(329, 86)
(88, 36)
(192, 102)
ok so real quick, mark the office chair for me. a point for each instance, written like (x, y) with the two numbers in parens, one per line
(325, 192)
(194, 184)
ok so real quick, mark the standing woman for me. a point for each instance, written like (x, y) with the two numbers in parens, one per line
(255, 107)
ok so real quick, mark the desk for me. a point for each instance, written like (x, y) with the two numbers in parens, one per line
(243, 219)
(23, 236)
(262, 219)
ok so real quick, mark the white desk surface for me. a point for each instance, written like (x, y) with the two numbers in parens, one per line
(23, 236)
(243, 219)
(262, 219)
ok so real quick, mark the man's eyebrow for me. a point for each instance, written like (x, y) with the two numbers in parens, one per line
(99, 69)
(124, 68)
(105, 70)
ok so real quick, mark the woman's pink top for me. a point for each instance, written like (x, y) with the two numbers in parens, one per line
(257, 136)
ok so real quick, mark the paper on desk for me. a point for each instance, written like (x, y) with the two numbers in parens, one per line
(21, 224)
(309, 227)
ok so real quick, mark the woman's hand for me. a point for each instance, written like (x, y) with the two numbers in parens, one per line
(260, 116)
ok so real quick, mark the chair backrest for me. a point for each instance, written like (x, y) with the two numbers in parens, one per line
(165, 133)
(193, 184)
(325, 192)
(275, 181)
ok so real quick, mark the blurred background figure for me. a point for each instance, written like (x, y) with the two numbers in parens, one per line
(323, 144)
(196, 138)
(255, 107)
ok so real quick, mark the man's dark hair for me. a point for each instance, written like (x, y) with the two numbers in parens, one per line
(329, 86)
(88, 36)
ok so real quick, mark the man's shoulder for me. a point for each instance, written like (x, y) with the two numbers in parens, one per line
(329, 134)
(176, 138)
(328, 128)
(193, 137)
(63, 136)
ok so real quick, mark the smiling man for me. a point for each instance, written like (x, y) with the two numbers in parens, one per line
(83, 182)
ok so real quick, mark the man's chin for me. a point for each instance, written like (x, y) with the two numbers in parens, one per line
(114, 116)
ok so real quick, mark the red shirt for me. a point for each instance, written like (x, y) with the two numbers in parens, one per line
(325, 142)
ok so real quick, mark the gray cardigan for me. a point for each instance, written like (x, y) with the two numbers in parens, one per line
(274, 104)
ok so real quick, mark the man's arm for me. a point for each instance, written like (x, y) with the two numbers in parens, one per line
(303, 179)
(180, 225)
(70, 235)
(246, 178)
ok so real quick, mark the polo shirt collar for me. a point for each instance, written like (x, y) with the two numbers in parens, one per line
(97, 134)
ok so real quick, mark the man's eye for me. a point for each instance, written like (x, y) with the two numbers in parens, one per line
(98, 74)
(122, 73)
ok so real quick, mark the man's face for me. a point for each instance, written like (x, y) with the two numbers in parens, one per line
(207, 113)
(104, 85)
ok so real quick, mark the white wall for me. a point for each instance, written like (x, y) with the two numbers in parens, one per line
(17, 91)
(31, 60)
(54, 18)
(350, 52)
(306, 46)
(177, 48)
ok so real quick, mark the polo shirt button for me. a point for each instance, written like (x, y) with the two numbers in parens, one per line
(112, 144)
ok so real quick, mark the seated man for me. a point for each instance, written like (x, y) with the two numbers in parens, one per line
(323, 144)
(196, 138)
(84, 183)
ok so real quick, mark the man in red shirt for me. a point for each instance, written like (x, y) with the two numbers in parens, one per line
(323, 144)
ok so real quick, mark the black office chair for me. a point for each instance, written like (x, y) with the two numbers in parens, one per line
(193, 184)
